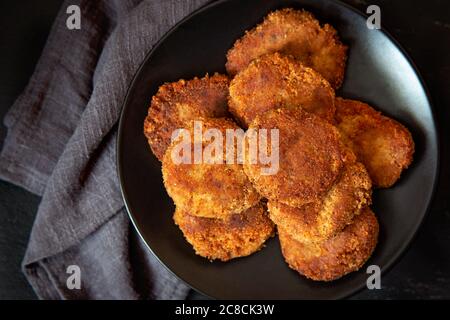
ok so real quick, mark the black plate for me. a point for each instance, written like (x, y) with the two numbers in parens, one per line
(378, 72)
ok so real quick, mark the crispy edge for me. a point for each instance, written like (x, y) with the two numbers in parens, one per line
(238, 236)
(163, 118)
(249, 97)
(322, 220)
(280, 187)
(354, 120)
(217, 181)
(336, 257)
(259, 41)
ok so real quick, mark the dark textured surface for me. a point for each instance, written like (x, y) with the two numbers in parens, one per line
(421, 27)
(17, 209)
(24, 26)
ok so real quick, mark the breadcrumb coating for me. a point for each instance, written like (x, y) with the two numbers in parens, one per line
(237, 236)
(311, 157)
(322, 220)
(296, 33)
(382, 144)
(179, 102)
(274, 81)
(335, 257)
(208, 189)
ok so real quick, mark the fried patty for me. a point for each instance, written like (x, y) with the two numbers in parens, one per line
(178, 102)
(237, 236)
(336, 257)
(382, 144)
(274, 81)
(322, 220)
(296, 33)
(214, 190)
(311, 157)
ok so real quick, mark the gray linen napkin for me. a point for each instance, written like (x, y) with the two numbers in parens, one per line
(61, 145)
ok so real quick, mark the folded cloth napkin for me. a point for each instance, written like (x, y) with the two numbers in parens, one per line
(61, 145)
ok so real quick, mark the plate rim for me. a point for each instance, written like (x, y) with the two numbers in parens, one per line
(405, 246)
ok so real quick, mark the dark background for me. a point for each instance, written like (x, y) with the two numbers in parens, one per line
(421, 27)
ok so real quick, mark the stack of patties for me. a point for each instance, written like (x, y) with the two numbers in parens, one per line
(286, 70)
(320, 195)
(331, 151)
(217, 209)
(319, 198)
(290, 60)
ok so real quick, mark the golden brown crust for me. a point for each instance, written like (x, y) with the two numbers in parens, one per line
(208, 190)
(311, 157)
(178, 102)
(336, 257)
(274, 81)
(322, 220)
(382, 144)
(297, 33)
(238, 236)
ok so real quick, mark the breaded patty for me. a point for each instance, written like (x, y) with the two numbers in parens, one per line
(382, 144)
(336, 257)
(274, 81)
(297, 33)
(240, 235)
(178, 102)
(322, 220)
(311, 157)
(214, 190)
